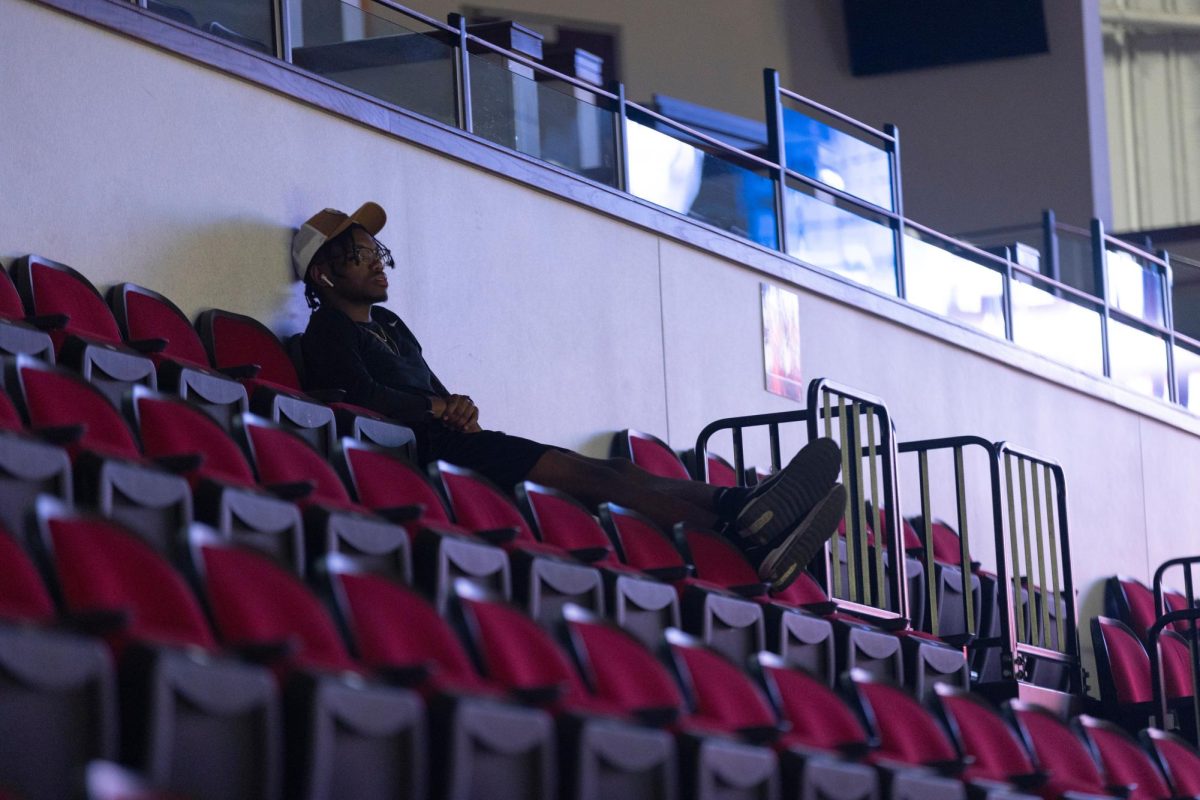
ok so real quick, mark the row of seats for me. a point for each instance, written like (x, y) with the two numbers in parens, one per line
(500, 692)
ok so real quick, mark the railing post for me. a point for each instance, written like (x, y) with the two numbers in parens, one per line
(621, 128)
(897, 207)
(777, 152)
(1100, 269)
(1008, 293)
(1050, 245)
(465, 120)
(1168, 289)
(281, 19)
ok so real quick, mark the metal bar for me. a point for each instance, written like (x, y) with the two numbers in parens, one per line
(862, 126)
(1008, 294)
(964, 557)
(1100, 266)
(1136, 252)
(465, 119)
(891, 491)
(281, 23)
(739, 453)
(1050, 244)
(872, 454)
(1137, 322)
(1037, 277)
(982, 257)
(927, 541)
(537, 66)
(837, 556)
(1042, 588)
(844, 196)
(1029, 588)
(1052, 540)
(620, 120)
(893, 150)
(1015, 554)
(1168, 283)
(1005, 598)
(776, 459)
(857, 561)
(777, 152)
(417, 15)
(705, 138)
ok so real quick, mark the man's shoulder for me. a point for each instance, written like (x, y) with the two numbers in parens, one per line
(327, 320)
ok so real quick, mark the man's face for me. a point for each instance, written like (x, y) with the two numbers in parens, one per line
(362, 278)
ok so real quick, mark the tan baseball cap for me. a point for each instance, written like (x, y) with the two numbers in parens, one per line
(325, 225)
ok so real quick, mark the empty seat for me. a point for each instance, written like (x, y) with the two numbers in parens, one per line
(1121, 760)
(947, 585)
(1177, 759)
(28, 467)
(636, 601)
(982, 735)
(907, 734)
(110, 472)
(545, 577)
(195, 722)
(346, 738)
(650, 453)
(181, 437)
(288, 465)
(244, 348)
(58, 705)
(602, 755)
(442, 552)
(153, 325)
(64, 303)
(16, 336)
(732, 624)
(1056, 752)
(480, 745)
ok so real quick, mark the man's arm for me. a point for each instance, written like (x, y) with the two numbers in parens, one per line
(336, 363)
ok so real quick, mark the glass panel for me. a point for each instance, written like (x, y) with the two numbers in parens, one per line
(1187, 378)
(1056, 328)
(1076, 266)
(1138, 359)
(682, 177)
(246, 23)
(837, 159)
(380, 56)
(830, 237)
(1134, 286)
(955, 287)
(555, 122)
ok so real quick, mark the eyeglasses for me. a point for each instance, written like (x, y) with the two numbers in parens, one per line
(369, 255)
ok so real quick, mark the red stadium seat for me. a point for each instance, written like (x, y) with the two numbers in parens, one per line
(982, 735)
(1177, 759)
(650, 453)
(1121, 760)
(17, 337)
(1056, 752)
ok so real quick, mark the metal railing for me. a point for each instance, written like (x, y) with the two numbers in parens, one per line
(865, 201)
(855, 572)
(1166, 619)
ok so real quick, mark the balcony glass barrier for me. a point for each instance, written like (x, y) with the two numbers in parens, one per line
(1076, 265)
(838, 159)
(952, 285)
(381, 54)
(250, 24)
(683, 174)
(834, 238)
(1138, 360)
(1135, 286)
(516, 106)
(1187, 377)
(1056, 328)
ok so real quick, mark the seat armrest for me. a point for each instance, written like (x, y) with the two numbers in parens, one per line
(148, 345)
(659, 717)
(266, 653)
(296, 490)
(99, 621)
(670, 574)
(1027, 781)
(402, 514)
(538, 695)
(750, 589)
(589, 555)
(241, 371)
(407, 676)
(181, 463)
(49, 322)
(498, 535)
(62, 434)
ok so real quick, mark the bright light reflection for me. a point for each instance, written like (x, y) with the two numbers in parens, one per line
(953, 286)
(840, 241)
(1056, 328)
(1187, 376)
(663, 169)
(1127, 287)
(1138, 359)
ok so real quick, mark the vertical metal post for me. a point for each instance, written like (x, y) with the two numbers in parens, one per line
(1100, 268)
(1071, 628)
(621, 132)
(1003, 581)
(891, 496)
(465, 120)
(1008, 293)
(1050, 251)
(897, 207)
(777, 152)
(964, 547)
(1168, 289)
(281, 20)
(776, 455)
(927, 541)
(739, 454)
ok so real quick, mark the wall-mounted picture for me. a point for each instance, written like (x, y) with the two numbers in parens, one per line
(781, 342)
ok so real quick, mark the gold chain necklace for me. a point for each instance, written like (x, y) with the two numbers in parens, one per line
(387, 342)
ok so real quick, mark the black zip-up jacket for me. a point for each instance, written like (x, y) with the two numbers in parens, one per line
(395, 381)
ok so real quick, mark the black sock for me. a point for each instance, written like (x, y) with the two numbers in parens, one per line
(728, 501)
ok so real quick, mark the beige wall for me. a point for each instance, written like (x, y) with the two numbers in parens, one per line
(132, 164)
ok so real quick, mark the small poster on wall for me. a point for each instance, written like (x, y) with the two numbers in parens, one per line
(781, 342)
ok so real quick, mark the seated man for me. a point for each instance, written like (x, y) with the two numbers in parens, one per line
(353, 344)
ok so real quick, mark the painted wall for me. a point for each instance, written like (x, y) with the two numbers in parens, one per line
(132, 164)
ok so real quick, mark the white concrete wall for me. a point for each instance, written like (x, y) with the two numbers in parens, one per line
(132, 164)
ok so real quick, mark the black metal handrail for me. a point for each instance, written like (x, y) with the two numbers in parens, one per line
(1162, 703)
(838, 115)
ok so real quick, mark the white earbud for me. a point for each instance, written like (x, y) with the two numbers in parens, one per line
(325, 280)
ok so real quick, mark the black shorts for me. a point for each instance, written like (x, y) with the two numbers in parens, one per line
(504, 460)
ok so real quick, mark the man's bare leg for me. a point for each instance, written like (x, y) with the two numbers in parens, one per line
(593, 481)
